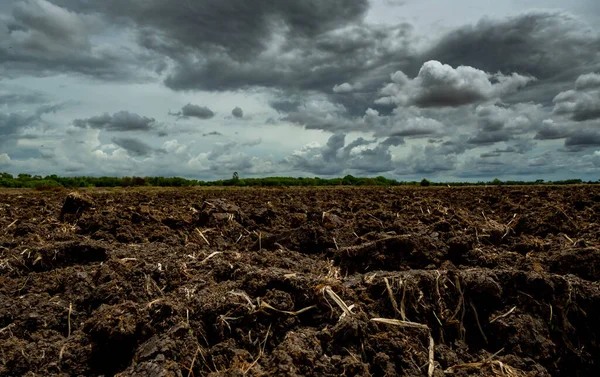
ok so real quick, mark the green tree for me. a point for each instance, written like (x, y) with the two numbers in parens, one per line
(349, 180)
(425, 183)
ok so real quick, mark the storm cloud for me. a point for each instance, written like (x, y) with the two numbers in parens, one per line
(337, 156)
(237, 113)
(317, 88)
(40, 38)
(194, 111)
(133, 146)
(120, 122)
(541, 44)
(583, 102)
(15, 124)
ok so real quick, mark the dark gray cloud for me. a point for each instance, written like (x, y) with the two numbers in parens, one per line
(581, 139)
(17, 96)
(552, 131)
(194, 111)
(337, 157)
(237, 112)
(290, 44)
(490, 154)
(582, 103)
(440, 85)
(541, 44)
(362, 53)
(134, 147)
(15, 124)
(238, 28)
(322, 115)
(500, 122)
(588, 81)
(286, 106)
(11, 123)
(412, 126)
(578, 136)
(432, 159)
(554, 47)
(119, 122)
(40, 38)
(519, 146)
(212, 133)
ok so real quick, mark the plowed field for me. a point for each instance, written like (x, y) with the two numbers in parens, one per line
(488, 281)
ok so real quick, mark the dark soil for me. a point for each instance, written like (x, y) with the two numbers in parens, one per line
(198, 282)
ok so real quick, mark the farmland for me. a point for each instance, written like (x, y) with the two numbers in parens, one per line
(469, 281)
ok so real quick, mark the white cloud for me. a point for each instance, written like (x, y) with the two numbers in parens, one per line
(440, 85)
(343, 88)
(4, 158)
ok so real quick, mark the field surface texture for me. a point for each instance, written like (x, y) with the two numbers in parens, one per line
(489, 281)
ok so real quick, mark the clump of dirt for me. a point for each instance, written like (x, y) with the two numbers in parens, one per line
(480, 281)
(74, 205)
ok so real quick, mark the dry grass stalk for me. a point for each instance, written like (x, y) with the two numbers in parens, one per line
(210, 256)
(333, 272)
(568, 238)
(4, 265)
(245, 296)
(431, 349)
(377, 219)
(11, 224)
(261, 351)
(204, 361)
(478, 323)
(202, 236)
(193, 362)
(154, 302)
(508, 225)
(62, 352)
(498, 368)
(7, 328)
(69, 319)
(266, 305)
(347, 310)
(504, 315)
(369, 279)
(397, 322)
(402, 302)
(392, 298)
(431, 367)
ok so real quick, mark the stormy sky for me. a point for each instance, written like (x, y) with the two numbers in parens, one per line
(448, 90)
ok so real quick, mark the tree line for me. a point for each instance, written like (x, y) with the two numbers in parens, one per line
(54, 181)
